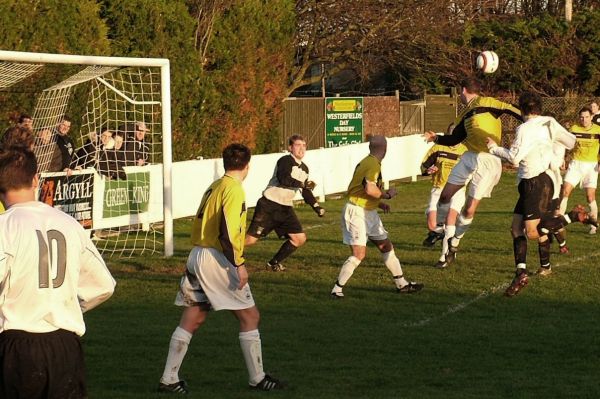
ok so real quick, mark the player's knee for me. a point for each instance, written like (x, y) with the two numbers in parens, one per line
(250, 240)
(445, 198)
(359, 252)
(516, 232)
(385, 246)
(249, 318)
(532, 232)
(298, 239)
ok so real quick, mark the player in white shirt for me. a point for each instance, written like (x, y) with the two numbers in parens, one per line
(50, 273)
(532, 151)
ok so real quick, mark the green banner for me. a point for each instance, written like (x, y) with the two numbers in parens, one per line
(126, 197)
(343, 121)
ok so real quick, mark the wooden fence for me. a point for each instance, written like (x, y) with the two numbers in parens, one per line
(384, 115)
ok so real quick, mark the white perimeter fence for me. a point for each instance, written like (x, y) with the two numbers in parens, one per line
(330, 168)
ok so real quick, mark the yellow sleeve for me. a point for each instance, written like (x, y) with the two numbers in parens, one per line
(233, 230)
(431, 150)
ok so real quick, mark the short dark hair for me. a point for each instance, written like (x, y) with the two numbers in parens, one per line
(472, 84)
(530, 103)
(65, 118)
(17, 136)
(585, 109)
(236, 156)
(22, 117)
(295, 138)
(18, 167)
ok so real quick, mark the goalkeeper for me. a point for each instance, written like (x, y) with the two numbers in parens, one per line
(275, 210)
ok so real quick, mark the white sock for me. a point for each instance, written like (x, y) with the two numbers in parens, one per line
(392, 262)
(252, 350)
(442, 212)
(594, 209)
(439, 228)
(563, 205)
(462, 226)
(448, 234)
(347, 270)
(178, 347)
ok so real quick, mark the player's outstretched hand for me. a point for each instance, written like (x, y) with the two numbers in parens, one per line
(310, 185)
(432, 169)
(319, 211)
(490, 143)
(429, 136)
(243, 275)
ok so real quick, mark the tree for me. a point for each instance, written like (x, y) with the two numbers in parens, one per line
(163, 29)
(52, 26)
(246, 72)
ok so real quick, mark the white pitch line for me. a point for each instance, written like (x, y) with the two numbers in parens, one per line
(482, 295)
(316, 226)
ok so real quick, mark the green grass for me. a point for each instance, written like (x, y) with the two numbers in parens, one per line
(459, 338)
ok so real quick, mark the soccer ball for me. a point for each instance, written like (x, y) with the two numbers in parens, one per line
(487, 61)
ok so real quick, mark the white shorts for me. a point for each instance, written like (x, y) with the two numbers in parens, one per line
(360, 225)
(213, 280)
(456, 203)
(482, 168)
(584, 172)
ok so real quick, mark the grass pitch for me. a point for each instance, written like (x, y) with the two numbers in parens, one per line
(458, 338)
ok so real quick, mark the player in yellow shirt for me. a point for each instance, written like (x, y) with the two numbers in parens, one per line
(438, 163)
(216, 275)
(478, 121)
(361, 222)
(583, 168)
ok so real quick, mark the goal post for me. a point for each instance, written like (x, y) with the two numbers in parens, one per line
(124, 95)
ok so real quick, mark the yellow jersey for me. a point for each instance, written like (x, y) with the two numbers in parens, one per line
(479, 120)
(369, 169)
(220, 222)
(444, 157)
(587, 146)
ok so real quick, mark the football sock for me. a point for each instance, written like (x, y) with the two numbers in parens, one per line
(400, 281)
(563, 205)
(252, 350)
(442, 212)
(462, 225)
(594, 210)
(520, 250)
(392, 262)
(347, 269)
(178, 346)
(560, 238)
(449, 233)
(286, 249)
(544, 251)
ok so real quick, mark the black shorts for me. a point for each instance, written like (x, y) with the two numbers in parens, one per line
(41, 365)
(269, 216)
(535, 197)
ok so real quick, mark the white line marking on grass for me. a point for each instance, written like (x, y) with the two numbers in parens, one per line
(484, 294)
(316, 226)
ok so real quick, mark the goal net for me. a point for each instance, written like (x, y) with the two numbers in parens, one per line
(103, 143)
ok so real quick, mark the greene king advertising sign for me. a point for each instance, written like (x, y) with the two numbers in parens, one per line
(127, 197)
(343, 121)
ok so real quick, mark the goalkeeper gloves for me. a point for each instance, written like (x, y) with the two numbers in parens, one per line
(318, 210)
